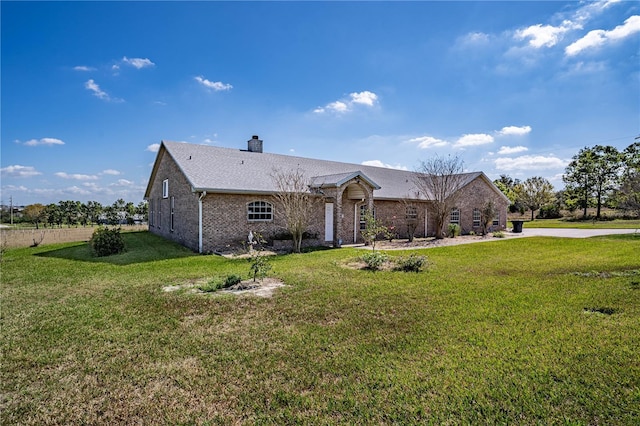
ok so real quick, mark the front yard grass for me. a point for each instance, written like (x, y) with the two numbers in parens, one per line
(521, 331)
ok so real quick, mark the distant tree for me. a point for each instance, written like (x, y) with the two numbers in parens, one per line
(130, 211)
(507, 185)
(70, 211)
(35, 213)
(93, 209)
(53, 215)
(534, 193)
(142, 209)
(629, 192)
(296, 200)
(112, 215)
(440, 179)
(593, 173)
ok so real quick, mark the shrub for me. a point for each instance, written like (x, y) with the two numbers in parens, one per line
(374, 260)
(217, 283)
(454, 230)
(413, 263)
(232, 280)
(260, 265)
(498, 234)
(106, 242)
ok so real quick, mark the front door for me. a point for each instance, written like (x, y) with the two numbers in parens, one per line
(328, 222)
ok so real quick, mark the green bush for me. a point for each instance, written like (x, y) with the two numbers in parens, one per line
(454, 230)
(232, 280)
(413, 263)
(374, 260)
(106, 242)
(498, 234)
(217, 283)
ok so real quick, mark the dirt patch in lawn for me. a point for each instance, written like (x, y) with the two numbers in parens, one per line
(260, 288)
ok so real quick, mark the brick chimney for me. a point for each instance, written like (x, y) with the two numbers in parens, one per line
(254, 144)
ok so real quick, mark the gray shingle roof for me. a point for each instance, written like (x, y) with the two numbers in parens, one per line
(227, 170)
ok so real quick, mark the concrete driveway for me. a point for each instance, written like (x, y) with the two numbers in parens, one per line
(569, 232)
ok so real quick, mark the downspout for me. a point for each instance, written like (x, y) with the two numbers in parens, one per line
(426, 220)
(202, 195)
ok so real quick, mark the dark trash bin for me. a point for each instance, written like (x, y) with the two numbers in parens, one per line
(517, 226)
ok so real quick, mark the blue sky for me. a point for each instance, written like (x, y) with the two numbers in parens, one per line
(89, 89)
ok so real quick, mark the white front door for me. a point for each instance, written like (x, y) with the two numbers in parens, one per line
(328, 222)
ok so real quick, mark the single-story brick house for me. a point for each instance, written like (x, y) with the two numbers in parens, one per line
(209, 198)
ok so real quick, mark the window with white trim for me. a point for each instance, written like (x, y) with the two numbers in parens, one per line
(476, 217)
(454, 217)
(496, 220)
(259, 211)
(363, 216)
(165, 188)
(411, 212)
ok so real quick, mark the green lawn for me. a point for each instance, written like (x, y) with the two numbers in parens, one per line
(587, 224)
(517, 331)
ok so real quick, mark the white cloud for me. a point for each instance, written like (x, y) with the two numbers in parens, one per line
(545, 35)
(92, 86)
(154, 147)
(122, 182)
(75, 176)
(474, 140)
(378, 163)
(83, 68)
(529, 162)
(44, 141)
(425, 142)
(514, 130)
(138, 62)
(474, 39)
(366, 98)
(111, 172)
(506, 150)
(215, 86)
(597, 38)
(19, 171)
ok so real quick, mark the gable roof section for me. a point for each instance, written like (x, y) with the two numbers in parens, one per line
(332, 181)
(227, 170)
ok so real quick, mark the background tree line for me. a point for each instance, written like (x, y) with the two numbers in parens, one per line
(75, 213)
(596, 177)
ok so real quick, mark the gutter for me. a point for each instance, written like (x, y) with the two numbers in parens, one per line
(202, 195)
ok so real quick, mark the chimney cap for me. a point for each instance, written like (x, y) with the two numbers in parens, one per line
(255, 137)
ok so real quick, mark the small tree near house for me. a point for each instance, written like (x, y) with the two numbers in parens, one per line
(372, 229)
(296, 201)
(488, 212)
(440, 180)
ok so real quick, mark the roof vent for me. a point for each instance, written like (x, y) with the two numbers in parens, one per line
(254, 144)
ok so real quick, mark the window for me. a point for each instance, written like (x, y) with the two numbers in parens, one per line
(165, 188)
(476, 217)
(173, 204)
(412, 212)
(363, 216)
(259, 211)
(455, 216)
(496, 220)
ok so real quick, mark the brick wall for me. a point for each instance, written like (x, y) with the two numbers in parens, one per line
(185, 211)
(226, 225)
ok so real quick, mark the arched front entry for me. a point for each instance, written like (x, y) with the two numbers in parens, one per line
(344, 195)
